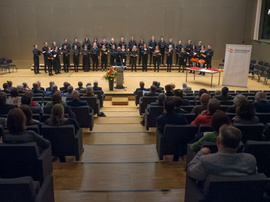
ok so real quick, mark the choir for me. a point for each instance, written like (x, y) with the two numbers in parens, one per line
(155, 51)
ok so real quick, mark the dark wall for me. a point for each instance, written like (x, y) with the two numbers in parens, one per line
(260, 51)
(217, 22)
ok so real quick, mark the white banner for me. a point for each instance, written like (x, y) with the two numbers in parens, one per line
(236, 65)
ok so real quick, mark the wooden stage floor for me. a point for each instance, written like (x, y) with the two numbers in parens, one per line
(131, 80)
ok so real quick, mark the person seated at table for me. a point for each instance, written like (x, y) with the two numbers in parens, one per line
(169, 90)
(57, 99)
(245, 114)
(4, 107)
(186, 88)
(16, 133)
(80, 86)
(152, 91)
(206, 116)
(29, 116)
(57, 118)
(260, 104)
(179, 93)
(142, 88)
(219, 118)
(203, 106)
(169, 116)
(14, 98)
(226, 161)
(178, 104)
(236, 101)
(224, 95)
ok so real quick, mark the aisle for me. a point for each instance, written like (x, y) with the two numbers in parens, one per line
(119, 163)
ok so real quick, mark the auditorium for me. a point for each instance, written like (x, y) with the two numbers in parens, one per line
(147, 100)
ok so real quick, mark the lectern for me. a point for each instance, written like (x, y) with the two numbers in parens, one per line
(120, 76)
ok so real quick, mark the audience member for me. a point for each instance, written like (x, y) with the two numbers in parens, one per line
(5, 88)
(14, 98)
(237, 100)
(206, 116)
(245, 114)
(159, 89)
(169, 116)
(20, 88)
(57, 118)
(142, 88)
(27, 99)
(69, 91)
(16, 134)
(54, 89)
(217, 93)
(152, 91)
(226, 161)
(186, 88)
(179, 93)
(50, 86)
(201, 91)
(219, 118)
(39, 86)
(97, 88)
(25, 86)
(177, 105)
(90, 92)
(29, 116)
(80, 86)
(204, 98)
(224, 95)
(169, 90)
(65, 86)
(260, 104)
(76, 102)
(9, 85)
(4, 107)
(36, 90)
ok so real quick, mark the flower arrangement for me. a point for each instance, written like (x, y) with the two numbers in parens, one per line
(195, 60)
(201, 61)
(110, 74)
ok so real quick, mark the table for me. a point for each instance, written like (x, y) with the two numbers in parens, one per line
(202, 70)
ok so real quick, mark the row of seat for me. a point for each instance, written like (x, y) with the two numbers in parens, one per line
(6, 65)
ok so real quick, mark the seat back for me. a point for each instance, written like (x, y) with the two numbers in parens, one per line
(261, 151)
(17, 189)
(100, 97)
(62, 139)
(154, 112)
(235, 189)
(263, 117)
(250, 131)
(190, 117)
(145, 100)
(92, 102)
(137, 96)
(82, 116)
(34, 128)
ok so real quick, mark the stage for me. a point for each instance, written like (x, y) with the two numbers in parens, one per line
(131, 80)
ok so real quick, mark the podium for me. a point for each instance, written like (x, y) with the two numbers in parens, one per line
(120, 76)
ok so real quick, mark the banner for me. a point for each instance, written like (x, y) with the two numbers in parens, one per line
(236, 65)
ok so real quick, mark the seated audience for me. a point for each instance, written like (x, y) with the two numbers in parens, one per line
(20, 88)
(57, 99)
(9, 85)
(90, 92)
(5, 88)
(224, 95)
(245, 114)
(179, 93)
(172, 86)
(177, 105)
(142, 88)
(4, 107)
(80, 86)
(169, 90)
(169, 116)
(39, 86)
(29, 116)
(206, 116)
(50, 86)
(84, 89)
(16, 134)
(27, 99)
(159, 89)
(204, 98)
(217, 93)
(36, 90)
(97, 88)
(54, 89)
(260, 104)
(57, 118)
(25, 86)
(219, 118)
(14, 98)
(69, 91)
(236, 101)
(201, 91)
(76, 102)
(186, 88)
(65, 86)
(152, 91)
(226, 161)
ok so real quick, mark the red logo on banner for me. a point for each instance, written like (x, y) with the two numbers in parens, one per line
(230, 50)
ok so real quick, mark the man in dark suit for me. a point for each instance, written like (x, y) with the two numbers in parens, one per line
(80, 86)
(96, 88)
(179, 93)
(76, 102)
(35, 89)
(5, 88)
(39, 86)
(159, 89)
(4, 107)
(224, 95)
(260, 104)
(142, 88)
(152, 91)
(169, 116)
(51, 84)
(54, 88)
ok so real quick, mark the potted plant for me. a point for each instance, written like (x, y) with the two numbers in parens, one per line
(194, 61)
(110, 75)
(201, 61)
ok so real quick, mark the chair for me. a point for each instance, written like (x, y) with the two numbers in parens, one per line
(190, 117)
(263, 117)
(9, 63)
(221, 64)
(227, 189)
(83, 117)
(204, 128)
(262, 73)
(151, 116)
(100, 97)
(64, 141)
(4, 66)
(267, 76)
(250, 131)
(34, 128)
(260, 62)
(24, 189)
(174, 139)
(138, 96)
(19, 160)
(256, 70)
(144, 101)
(188, 108)
(261, 151)
(93, 102)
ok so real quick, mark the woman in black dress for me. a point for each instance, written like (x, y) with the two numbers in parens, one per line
(76, 54)
(104, 57)
(169, 58)
(156, 58)
(56, 61)
(144, 52)
(94, 55)
(133, 57)
(182, 59)
(86, 59)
